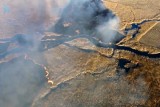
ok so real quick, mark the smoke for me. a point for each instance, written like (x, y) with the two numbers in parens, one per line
(25, 23)
(20, 82)
(27, 16)
(22, 25)
(108, 30)
(88, 17)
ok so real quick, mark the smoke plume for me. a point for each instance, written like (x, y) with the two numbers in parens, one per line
(24, 24)
(88, 17)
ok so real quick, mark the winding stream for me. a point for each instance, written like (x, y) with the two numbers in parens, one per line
(137, 27)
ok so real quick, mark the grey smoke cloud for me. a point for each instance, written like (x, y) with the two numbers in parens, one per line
(20, 80)
(88, 16)
(27, 16)
(21, 27)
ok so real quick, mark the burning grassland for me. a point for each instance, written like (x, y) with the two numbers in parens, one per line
(77, 49)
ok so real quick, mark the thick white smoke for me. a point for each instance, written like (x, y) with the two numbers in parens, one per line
(108, 30)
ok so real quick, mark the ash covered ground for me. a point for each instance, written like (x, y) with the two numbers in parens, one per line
(79, 53)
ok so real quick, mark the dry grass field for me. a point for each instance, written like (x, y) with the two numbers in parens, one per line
(72, 70)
